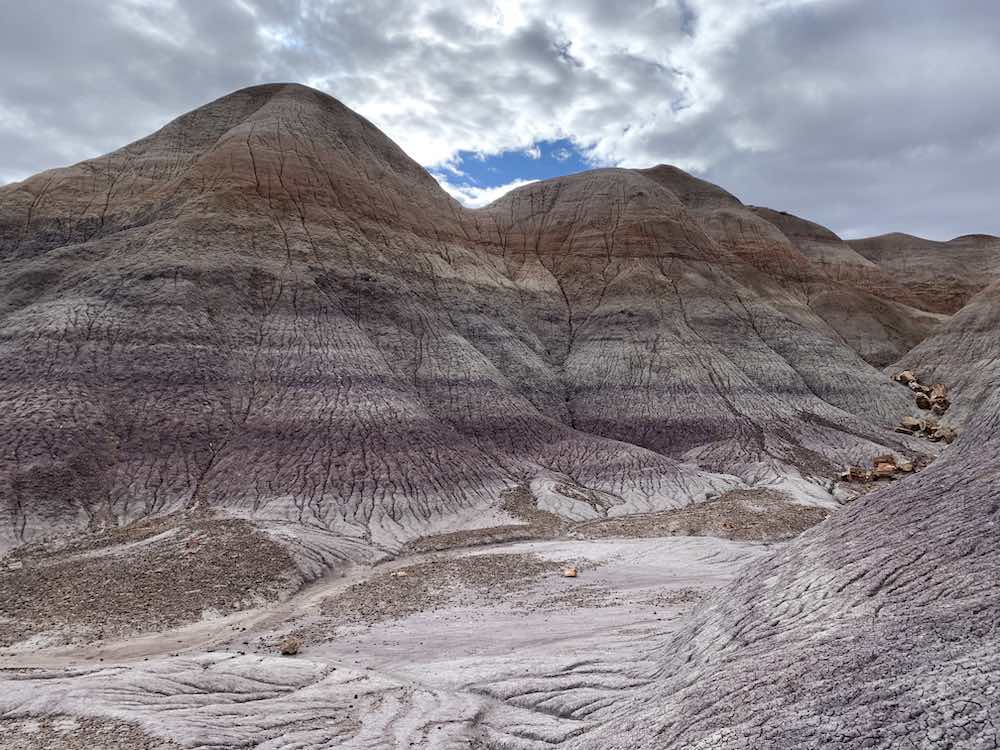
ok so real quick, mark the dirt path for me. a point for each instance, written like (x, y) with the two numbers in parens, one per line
(764, 517)
(198, 636)
(225, 632)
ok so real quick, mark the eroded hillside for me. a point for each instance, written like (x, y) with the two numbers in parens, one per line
(258, 371)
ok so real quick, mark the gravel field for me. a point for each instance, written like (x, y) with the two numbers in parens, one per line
(74, 733)
(152, 575)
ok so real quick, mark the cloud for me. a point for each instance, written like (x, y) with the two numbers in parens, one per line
(864, 116)
(477, 197)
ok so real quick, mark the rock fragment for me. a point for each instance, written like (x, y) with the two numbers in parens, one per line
(886, 466)
(910, 425)
(884, 471)
(946, 434)
(933, 398)
(290, 646)
(857, 474)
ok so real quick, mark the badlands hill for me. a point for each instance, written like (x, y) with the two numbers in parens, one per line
(262, 347)
(944, 276)
(266, 306)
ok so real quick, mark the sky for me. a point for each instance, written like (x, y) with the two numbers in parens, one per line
(867, 116)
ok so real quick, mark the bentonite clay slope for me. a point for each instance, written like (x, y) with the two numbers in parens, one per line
(870, 308)
(814, 276)
(181, 327)
(665, 343)
(267, 307)
(943, 276)
(879, 628)
(286, 317)
(965, 353)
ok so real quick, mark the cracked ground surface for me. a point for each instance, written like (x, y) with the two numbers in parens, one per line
(511, 652)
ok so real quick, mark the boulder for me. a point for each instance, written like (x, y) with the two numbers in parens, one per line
(940, 405)
(922, 401)
(939, 390)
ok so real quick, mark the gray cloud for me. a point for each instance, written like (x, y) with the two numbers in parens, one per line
(867, 117)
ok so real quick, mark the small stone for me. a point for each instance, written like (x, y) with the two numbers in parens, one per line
(290, 646)
(858, 474)
(905, 466)
(906, 376)
(923, 402)
(569, 572)
(947, 434)
(886, 458)
(911, 423)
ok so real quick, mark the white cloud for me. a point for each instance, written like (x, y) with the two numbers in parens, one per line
(477, 197)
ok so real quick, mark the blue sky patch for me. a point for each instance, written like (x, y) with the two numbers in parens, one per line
(543, 160)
